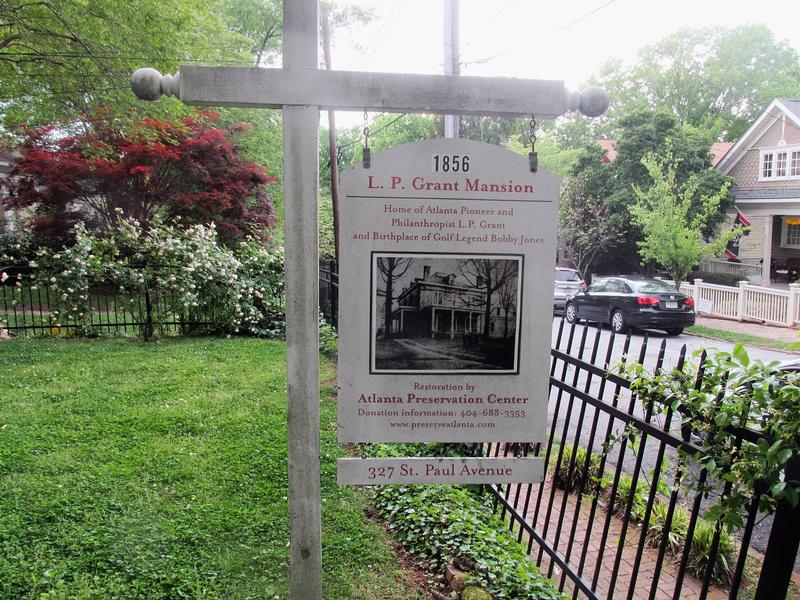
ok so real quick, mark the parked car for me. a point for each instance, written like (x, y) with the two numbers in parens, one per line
(632, 301)
(568, 282)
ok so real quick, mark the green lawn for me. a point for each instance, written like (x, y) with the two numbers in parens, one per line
(744, 338)
(132, 470)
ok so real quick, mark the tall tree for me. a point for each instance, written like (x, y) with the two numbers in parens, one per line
(507, 301)
(587, 226)
(611, 186)
(489, 275)
(391, 268)
(670, 222)
(715, 79)
(187, 171)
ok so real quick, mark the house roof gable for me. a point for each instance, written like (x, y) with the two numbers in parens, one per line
(790, 108)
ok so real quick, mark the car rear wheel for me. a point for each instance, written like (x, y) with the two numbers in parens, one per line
(675, 331)
(571, 313)
(618, 324)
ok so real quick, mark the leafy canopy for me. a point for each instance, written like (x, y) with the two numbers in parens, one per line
(715, 79)
(611, 187)
(61, 60)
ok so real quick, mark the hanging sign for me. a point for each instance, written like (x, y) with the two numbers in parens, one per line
(446, 288)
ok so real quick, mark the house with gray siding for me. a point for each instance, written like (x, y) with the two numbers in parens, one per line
(766, 165)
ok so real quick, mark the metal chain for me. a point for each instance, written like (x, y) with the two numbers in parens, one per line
(533, 158)
(532, 132)
(366, 130)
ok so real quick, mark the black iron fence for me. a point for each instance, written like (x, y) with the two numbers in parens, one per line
(610, 518)
(37, 310)
(329, 291)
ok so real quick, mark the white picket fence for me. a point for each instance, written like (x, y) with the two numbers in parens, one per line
(746, 302)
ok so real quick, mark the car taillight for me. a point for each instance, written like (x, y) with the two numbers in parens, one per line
(647, 300)
(582, 284)
(689, 302)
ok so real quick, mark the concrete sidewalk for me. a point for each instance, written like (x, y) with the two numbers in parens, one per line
(783, 334)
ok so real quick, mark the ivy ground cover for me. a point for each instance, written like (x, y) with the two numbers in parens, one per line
(132, 470)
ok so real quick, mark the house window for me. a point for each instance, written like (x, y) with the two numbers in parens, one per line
(780, 164)
(790, 235)
(766, 166)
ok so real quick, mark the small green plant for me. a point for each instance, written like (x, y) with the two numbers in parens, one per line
(675, 534)
(733, 393)
(639, 501)
(700, 553)
(328, 339)
(573, 479)
(440, 522)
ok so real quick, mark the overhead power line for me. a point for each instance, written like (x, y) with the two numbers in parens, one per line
(214, 61)
(491, 57)
(585, 16)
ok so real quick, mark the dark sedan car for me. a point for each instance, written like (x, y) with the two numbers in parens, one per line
(625, 302)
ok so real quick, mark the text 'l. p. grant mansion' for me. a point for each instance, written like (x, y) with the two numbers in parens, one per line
(446, 306)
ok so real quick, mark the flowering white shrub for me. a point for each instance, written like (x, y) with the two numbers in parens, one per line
(167, 275)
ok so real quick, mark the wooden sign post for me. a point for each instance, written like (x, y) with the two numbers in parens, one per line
(301, 90)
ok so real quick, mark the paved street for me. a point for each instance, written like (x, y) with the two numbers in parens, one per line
(674, 344)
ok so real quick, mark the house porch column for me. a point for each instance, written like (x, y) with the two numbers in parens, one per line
(766, 271)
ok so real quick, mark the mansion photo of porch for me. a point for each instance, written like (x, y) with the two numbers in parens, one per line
(435, 307)
(445, 313)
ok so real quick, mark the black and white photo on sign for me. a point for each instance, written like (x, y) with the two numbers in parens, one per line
(445, 312)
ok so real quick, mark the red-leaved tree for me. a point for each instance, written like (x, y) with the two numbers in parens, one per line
(185, 171)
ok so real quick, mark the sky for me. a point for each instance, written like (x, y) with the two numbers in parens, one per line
(566, 41)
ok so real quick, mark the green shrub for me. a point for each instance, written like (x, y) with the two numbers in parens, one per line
(572, 481)
(328, 339)
(164, 273)
(639, 503)
(439, 523)
(657, 528)
(700, 552)
(718, 278)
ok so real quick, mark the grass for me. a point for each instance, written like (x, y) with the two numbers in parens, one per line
(158, 471)
(744, 338)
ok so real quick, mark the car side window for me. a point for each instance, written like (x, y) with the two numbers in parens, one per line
(595, 288)
(617, 287)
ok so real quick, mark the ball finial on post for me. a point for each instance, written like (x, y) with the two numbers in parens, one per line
(149, 84)
(146, 84)
(594, 101)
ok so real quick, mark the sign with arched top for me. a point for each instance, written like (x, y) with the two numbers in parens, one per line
(446, 287)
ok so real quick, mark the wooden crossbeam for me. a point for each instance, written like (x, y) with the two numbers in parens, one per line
(353, 90)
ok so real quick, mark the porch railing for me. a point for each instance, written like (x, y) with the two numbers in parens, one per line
(749, 270)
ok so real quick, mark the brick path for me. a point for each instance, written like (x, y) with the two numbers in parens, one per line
(669, 570)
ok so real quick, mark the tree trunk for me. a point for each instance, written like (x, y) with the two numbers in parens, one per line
(487, 314)
(387, 317)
